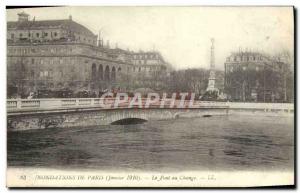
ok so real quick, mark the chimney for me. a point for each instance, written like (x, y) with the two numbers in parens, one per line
(23, 16)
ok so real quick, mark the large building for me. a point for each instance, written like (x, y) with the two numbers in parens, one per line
(252, 76)
(149, 70)
(63, 54)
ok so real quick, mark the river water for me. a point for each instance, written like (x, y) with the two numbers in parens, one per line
(210, 143)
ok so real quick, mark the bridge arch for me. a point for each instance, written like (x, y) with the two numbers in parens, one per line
(128, 121)
(123, 116)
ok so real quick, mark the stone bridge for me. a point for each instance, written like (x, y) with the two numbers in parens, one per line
(50, 113)
(60, 113)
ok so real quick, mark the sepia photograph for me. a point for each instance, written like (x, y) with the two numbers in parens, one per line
(150, 96)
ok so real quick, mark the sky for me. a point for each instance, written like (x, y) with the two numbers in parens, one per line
(182, 34)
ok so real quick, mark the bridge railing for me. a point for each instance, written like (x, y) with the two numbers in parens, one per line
(109, 103)
(23, 104)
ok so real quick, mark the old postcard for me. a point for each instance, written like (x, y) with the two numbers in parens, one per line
(150, 96)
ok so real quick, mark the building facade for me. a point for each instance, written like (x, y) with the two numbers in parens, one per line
(149, 70)
(63, 54)
(252, 76)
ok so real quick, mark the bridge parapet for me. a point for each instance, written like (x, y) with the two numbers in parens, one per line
(14, 105)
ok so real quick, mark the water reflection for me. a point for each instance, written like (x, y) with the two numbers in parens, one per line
(214, 143)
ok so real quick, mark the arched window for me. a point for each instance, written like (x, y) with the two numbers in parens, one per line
(119, 69)
(106, 73)
(113, 74)
(94, 71)
(100, 72)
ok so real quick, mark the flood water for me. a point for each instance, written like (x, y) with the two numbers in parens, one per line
(207, 143)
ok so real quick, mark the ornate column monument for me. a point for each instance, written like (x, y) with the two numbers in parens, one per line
(212, 76)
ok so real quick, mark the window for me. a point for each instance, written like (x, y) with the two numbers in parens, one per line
(32, 73)
(37, 35)
(234, 58)
(45, 34)
(12, 36)
(32, 60)
(55, 34)
(20, 35)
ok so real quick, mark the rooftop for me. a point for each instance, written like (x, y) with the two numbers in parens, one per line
(68, 24)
